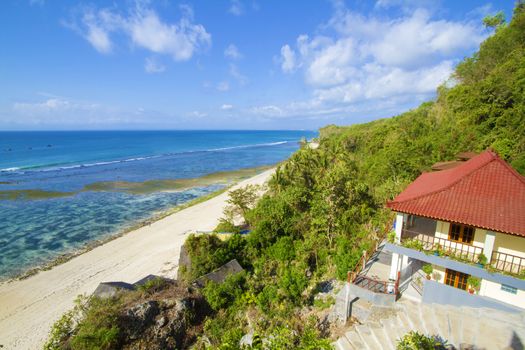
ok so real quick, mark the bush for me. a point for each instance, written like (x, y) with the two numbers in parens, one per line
(153, 285)
(416, 341)
(293, 283)
(61, 331)
(427, 269)
(221, 295)
(96, 326)
(226, 226)
(474, 282)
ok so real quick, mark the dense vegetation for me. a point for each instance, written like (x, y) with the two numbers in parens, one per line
(325, 206)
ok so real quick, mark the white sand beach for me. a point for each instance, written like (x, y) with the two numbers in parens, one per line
(29, 307)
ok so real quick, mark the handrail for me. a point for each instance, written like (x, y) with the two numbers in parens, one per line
(508, 262)
(429, 243)
(417, 281)
(355, 276)
(372, 284)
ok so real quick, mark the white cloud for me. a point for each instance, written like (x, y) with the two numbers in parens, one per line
(232, 52)
(152, 66)
(268, 110)
(223, 86)
(198, 114)
(288, 59)
(146, 30)
(51, 105)
(236, 8)
(226, 107)
(234, 72)
(356, 59)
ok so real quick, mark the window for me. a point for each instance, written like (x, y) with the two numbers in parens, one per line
(456, 279)
(509, 289)
(461, 233)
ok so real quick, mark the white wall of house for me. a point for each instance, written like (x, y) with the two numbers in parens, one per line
(510, 244)
(494, 290)
(442, 229)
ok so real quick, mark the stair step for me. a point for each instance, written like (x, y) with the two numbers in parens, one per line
(456, 328)
(491, 337)
(427, 313)
(381, 337)
(391, 329)
(470, 329)
(368, 337)
(417, 322)
(343, 344)
(404, 324)
(354, 339)
(441, 319)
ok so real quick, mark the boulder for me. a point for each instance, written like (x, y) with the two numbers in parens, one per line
(139, 317)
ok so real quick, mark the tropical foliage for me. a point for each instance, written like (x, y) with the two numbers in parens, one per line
(325, 206)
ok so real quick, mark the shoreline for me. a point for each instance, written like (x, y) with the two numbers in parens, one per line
(30, 306)
(88, 246)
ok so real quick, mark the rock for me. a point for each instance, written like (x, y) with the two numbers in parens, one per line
(161, 322)
(246, 340)
(139, 317)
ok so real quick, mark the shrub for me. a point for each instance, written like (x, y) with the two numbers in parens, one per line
(153, 285)
(427, 269)
(474, 282)
(391, 237)
(482, 259)
(91, 324)
(293, 283)
(98, 328)
(413, 244)
(221, 295)
(416, 341)
(61, 331)
(226, 226)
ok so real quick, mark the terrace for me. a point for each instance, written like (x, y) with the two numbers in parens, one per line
(420, 234)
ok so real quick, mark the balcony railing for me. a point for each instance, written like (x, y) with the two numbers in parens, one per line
(508, 263)
(440, 245)
(372, 284)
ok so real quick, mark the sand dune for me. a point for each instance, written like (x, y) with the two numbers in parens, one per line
(29, 307)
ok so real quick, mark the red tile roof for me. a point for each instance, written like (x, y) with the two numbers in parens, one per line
(483, 192)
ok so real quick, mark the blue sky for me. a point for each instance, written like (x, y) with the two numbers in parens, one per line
(227, 64)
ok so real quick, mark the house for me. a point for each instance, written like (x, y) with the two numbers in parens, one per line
(468, 223)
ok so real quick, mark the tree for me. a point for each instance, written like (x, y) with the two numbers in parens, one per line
(241, 201)
(494, 21)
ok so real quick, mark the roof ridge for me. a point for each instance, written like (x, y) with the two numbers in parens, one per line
(493, 156)
(512, 170)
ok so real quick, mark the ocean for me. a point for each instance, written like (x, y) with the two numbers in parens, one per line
(62, 190)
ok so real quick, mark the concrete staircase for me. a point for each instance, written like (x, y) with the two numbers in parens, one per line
(461, 327)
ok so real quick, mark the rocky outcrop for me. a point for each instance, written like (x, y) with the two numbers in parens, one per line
(167, 320)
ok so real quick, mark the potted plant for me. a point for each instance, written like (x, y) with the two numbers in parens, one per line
(437, 249)
(474, 284)
(427, 269)
(482, 260)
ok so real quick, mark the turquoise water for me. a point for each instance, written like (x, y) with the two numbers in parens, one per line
(36, 231)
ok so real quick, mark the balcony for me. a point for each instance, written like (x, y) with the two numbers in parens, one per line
(499, 261)
(440, 246)
(508, 263)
